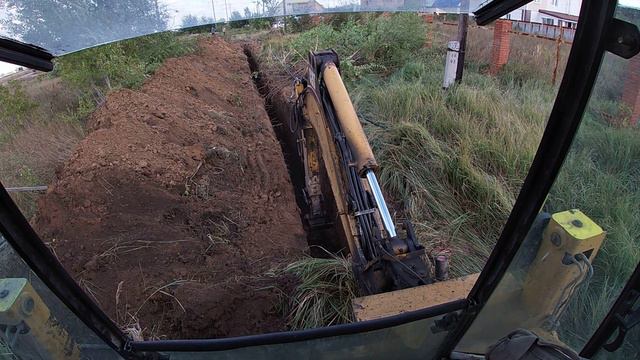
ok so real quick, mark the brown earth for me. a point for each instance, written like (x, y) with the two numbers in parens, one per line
(176, 204)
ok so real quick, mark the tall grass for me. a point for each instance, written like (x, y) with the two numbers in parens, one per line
(366, 43)
(600, 177)
(323, 296)
(122, 64)
(15, 108)
(456, 159)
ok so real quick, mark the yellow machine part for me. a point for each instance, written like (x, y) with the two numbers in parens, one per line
(536, 300)
(417, 298)
(21, 307)
(313, 113)
(569, 233)
(348, 119)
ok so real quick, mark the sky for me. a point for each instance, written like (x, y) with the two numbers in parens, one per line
(7, 68)
(179, 8)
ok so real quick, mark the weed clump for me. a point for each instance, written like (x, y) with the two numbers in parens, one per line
(323, 296)
(366, 44)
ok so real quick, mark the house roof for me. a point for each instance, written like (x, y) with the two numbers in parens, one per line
(559, 15)
(302, 2)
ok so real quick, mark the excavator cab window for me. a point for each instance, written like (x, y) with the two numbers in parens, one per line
(35, 323)
(571, 267)
(562, 268)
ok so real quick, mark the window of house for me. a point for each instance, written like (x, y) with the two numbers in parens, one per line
(547, 21)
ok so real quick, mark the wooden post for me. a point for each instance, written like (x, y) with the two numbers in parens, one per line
(463, 26)
(558, 48)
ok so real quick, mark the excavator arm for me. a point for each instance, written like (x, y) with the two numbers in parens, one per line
(329, 129)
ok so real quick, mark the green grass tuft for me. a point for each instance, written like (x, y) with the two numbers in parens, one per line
(323, 296)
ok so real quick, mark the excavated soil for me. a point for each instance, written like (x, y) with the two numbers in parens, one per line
(178, 201)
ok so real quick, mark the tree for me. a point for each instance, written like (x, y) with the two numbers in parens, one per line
(237, 21)
(235, 16)
(247, 13)
(207, 20)
(189, 21)
(272, 7)
(63, 27)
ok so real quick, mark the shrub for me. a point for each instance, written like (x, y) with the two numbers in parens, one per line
(391, 41)
(364, 47)
(15, 109)
(124, 64)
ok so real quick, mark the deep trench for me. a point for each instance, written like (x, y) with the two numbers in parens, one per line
(322, 241)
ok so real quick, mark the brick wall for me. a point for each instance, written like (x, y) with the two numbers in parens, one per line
(631, 90)
(428, 18)
(501, 45)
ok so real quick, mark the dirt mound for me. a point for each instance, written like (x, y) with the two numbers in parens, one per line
(178, 201)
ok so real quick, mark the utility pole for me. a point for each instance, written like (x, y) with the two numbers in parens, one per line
(226, 9)
(213, 7)
(463, 26)
(157, 10)
(284, 19)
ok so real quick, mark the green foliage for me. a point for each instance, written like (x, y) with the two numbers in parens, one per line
(323, 297)
(14, 102)
(365, 46)
(15, 109)
(393, 40)
(299, 23)
(237, 21)
(261, 23)
(455, 158)
(124, 64)
(189, 21)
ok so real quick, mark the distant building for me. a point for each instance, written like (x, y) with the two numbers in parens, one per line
(443, 6)
(303, 6)
(551, 12)
(381, 4)
(454, 6)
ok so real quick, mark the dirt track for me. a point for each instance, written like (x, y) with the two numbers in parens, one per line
(178, 201)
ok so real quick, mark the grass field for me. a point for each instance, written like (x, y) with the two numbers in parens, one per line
(456, 159)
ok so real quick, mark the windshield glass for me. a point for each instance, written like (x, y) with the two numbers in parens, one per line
(582, 249)
(64, 27)
(177, 176)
